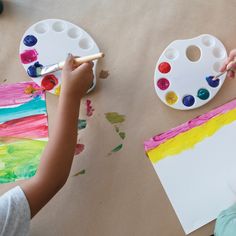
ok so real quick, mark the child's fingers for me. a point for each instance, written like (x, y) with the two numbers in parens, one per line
(231, 65)
(230, 58)
(230, 74)
(69, 63)
(84, 68)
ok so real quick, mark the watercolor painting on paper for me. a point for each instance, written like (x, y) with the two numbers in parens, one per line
(195, 163)
(23, 130)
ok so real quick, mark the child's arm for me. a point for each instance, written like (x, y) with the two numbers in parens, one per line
(230, 63)
(57, 157)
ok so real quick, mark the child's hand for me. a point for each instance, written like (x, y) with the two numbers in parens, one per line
(230, 63)
(76, 79)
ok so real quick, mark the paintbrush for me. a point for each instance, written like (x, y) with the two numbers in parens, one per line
(39, 70)
(230, 68)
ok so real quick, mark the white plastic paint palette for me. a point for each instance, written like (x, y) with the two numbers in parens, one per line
(48, 42)
(184, 72)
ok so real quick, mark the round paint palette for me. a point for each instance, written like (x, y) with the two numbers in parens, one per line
(184, 72)
(48, 42)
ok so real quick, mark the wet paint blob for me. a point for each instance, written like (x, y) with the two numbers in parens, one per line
(58, 90)
(164, 67)
(163, 84)
(171, 98)
(29, 56)
(114, 117)
(30, 40)
(49, 82)
(188, 100)
(203, 94)
(82, 172)
(34, 70)
(79, 148)
(89, 108)
(211, 82)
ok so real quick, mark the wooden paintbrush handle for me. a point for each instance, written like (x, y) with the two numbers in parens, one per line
(81, 60)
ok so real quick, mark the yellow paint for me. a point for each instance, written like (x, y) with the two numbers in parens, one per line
(190, 138)
(29, 89)
(58, 90)
(171, 98)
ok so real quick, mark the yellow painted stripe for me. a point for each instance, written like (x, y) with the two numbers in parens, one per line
(191, 137)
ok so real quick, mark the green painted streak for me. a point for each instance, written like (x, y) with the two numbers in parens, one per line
(19, 159)
(114, 117)
(82, 172)
(118, 148)
(117, 129)
(82, 124)
(122, 135)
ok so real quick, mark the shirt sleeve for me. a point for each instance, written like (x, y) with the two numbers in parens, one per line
(14, 213)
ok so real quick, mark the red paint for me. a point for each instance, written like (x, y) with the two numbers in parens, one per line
(163, 84)
(35, 126)
(89, 108)
(49, 82)
(164, 67)
(79, 148)
(28, 56)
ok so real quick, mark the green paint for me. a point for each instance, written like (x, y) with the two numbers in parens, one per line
(117, 129)
(82, 172)
(19, 158)
(122, 135)
(203, 94)
(114, 117)
(118, 148)
(82, 124)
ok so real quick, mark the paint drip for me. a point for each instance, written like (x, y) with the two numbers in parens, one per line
(29, 56)
(114, 117)
(30, 40)
(116, 149)
(34, 70)
(171, 98)
(49, 82)
(79, 148)
(89, 108)
(82, 172)
(164, 67)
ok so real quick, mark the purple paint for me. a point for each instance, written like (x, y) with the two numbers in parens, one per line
(29, 56)
(211, 82)
(30, 40)
(188, 100)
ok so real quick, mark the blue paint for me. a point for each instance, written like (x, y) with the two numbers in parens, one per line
(188, 100)
(34, 70)
(211, 82)
(33, 107)
(30, 40)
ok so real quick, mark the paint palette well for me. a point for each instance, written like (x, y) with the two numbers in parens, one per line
(48, 42)
(184, 72)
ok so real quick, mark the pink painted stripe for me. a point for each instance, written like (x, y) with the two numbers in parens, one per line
(28, 127)
(163, 137)
(14, 94)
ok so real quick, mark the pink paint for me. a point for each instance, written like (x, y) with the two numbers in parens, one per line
(16, 94)
(35, 126)
(163, 137)
(29, 56)
(89, 108)
(163, 83)
(79, 148)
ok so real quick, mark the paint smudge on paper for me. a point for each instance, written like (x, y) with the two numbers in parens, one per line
(23, 131)
(89, 108)
(116, 149)
(79, 148)
(82, 124)
(104, 74)
(117, 129)
(122, 135)
(29, 56)
(32, 90)
(82, 172)
(114, 117)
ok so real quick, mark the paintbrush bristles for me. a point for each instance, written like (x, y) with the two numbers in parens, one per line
(84, 59)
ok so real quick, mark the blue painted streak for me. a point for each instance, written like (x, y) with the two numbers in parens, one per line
(33, 107)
